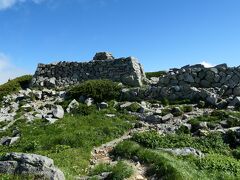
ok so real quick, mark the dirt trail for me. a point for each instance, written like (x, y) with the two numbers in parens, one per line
(101, 154)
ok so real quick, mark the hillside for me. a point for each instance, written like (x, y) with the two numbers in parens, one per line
(181, 124)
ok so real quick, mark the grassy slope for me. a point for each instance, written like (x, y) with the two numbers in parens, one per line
(14, 85)
(69, 141)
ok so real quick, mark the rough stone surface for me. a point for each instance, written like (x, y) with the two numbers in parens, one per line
(125, 70)
(58, 112)
(21, 163)
(73, 105)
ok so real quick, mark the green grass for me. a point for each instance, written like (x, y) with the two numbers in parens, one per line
(70, 140)
(170, 167)
(120, 171)
(15, 85)
(213, 143)
(162, 164)
(155, 74)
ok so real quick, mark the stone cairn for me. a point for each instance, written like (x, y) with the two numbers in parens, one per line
(103, 66)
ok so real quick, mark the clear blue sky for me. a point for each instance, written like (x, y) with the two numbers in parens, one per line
(160, 33)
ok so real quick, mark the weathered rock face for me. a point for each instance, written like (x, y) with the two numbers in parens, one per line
(32, 164)
(104, 66)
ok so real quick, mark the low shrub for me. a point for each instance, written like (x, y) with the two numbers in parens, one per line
(183, 130)
(236, 153)
(84, 110)
(99, 90)
(155, 74)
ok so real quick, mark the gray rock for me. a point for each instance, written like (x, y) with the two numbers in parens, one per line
(103, 105)
(153, 119)
(73, 105)
(32, 164)
(203, 125)
(58, 112)
(89, 101)
(50, 82)
(167, 117)
(6, 141)
(235, 101)
(236, 91)
(212, 99)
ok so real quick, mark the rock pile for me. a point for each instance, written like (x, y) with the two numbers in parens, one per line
(103, 66)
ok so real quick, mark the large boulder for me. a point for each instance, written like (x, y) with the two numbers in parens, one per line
(30, 164)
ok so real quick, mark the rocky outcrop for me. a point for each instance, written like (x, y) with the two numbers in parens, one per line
(30, 164)
(103, 66)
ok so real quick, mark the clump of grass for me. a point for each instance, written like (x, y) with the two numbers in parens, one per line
(15, 85)
(214, 142)
(120, 171)
(99, 90)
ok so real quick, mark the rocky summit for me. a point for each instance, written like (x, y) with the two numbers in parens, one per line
(108, 119)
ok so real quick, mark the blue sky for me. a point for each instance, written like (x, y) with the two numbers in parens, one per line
(160, 33)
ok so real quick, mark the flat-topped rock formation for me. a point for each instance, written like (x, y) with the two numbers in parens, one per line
(103, 66)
